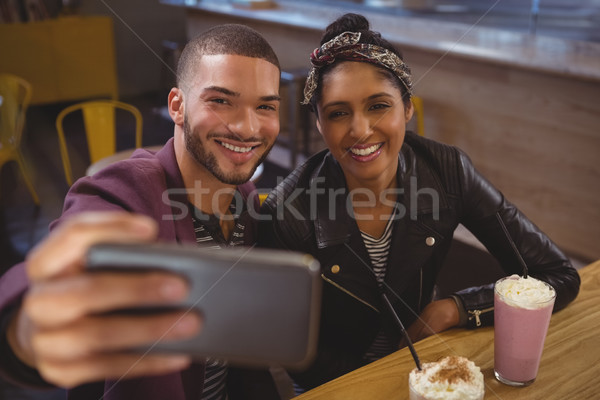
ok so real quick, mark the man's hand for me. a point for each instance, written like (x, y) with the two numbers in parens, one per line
(436, 317)
(62, 328)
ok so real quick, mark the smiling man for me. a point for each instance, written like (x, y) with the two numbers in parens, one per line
(55, 329)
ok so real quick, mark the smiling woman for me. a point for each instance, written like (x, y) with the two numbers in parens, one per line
(379, 207)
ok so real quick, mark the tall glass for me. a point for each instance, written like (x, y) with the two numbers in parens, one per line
(520, 327)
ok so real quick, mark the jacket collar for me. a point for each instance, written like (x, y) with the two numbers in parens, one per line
(184, 227)
(420, 189)
(332, 222)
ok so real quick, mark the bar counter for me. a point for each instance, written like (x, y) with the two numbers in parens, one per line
(568, 369)
(555, 55)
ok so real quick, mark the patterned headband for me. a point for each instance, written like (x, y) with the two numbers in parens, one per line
(346, 47)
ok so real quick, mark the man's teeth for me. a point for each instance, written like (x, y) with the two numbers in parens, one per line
(367, 151)
(236, 148)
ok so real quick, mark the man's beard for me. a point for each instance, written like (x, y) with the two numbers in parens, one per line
(195, 147)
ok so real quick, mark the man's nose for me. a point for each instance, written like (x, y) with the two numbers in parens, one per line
(245, 124)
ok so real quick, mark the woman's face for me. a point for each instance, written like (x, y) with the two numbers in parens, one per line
(362, 119)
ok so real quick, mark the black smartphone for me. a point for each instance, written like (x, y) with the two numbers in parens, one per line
(260, 307)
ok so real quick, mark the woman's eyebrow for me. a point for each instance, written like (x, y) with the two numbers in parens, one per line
(334, 103)
(371, 97)
(376, 95)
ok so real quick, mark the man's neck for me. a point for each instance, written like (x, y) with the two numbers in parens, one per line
(209, 197)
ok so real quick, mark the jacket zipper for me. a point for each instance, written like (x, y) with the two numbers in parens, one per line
(348, 292)
(477, 313)
(420, 289)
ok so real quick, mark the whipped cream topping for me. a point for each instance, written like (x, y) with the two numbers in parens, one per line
(451, 378)
(527, 292)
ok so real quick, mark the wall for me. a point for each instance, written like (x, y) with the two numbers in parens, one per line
(533, 135)
(140, 26)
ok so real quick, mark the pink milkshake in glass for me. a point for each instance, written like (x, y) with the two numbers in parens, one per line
(522, 310)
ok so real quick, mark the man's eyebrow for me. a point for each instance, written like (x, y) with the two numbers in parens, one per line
(271, 98)
(231, 93)
(223, 90)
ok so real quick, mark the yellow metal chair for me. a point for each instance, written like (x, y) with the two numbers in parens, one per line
(15, 94)
(419, 114)
(100, 129)
(262, 197)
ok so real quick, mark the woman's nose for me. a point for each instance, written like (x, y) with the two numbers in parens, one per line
(361, 126)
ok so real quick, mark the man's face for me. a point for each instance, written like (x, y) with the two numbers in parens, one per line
(231, 115)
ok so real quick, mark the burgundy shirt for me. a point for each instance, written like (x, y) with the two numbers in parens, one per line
(149, 184)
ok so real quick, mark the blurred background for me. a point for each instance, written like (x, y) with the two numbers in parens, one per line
(514, 83)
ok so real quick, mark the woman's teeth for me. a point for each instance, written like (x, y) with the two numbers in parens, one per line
(236, 148)
(366, 151)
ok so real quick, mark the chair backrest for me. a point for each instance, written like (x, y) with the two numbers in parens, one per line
(262, 197)
(100, 128)
(419, 114)
(15, 95)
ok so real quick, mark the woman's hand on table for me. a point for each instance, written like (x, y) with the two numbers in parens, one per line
(436, 317)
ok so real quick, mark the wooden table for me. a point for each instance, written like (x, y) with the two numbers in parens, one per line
(569, 367)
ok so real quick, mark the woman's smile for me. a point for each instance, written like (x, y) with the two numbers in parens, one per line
(365, 152)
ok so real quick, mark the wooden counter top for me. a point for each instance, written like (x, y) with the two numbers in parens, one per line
(568, 369)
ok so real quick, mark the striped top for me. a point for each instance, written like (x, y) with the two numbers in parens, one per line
(209, 235)
(379, 250)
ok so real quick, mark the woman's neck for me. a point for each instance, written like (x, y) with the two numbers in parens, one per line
(364, 189)
(373, 203)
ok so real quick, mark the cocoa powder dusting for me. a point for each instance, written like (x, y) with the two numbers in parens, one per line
(454, 371)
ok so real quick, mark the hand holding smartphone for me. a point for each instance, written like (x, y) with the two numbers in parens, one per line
(260, 307)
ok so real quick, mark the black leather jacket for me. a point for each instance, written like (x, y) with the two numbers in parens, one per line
(441, 189)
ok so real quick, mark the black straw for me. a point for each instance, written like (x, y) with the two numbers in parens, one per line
(513, 245)
(401, 326)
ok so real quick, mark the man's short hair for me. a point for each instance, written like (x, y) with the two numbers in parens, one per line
(227, 39)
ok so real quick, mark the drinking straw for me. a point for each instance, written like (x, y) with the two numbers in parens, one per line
(512, 244)
(386, 301)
